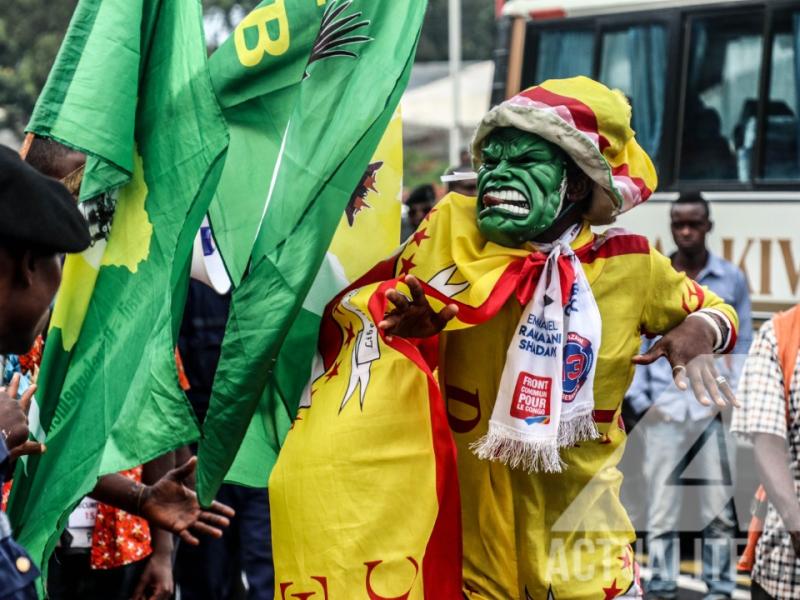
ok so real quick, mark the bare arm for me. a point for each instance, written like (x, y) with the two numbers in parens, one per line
(772, 463)
(182, 455)
(156, 581)
(169, 503)
(119, 492)
(158, 467)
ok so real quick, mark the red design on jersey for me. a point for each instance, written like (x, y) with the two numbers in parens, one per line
(33, 358)
(371, 566)
(612, 592)
(456, 394)
(620, 245)
(603, 416)
(693, 297)
(323, 584)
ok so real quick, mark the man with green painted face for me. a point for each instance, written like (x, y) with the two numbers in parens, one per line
(534, 323)
(522, 188)
(541, 516)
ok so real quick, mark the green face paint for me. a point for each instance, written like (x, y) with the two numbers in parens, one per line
(521, 186)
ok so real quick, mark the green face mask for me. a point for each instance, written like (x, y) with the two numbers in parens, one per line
(521, 186)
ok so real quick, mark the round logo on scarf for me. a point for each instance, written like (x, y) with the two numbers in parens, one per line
(578, 359)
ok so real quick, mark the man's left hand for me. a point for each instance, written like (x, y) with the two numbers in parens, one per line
(171, 505)
(689, 348)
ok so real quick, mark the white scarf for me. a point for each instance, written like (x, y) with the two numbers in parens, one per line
(545, 399)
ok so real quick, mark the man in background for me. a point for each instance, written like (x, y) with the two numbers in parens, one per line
(676, 421)
(418, 204)
(38, 222)
(466, 185)
(117, 547)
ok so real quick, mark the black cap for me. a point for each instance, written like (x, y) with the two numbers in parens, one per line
(423, 194)
(36, 210)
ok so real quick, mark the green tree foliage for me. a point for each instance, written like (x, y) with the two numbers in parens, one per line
(31, 32)
(30, 35)
(477, 31)
(221, 16)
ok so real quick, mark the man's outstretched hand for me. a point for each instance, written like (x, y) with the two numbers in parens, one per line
(689, 348)
(414, 318)
(172, 505)
(14, 420)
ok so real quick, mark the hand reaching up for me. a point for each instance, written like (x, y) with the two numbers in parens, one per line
(414, 318)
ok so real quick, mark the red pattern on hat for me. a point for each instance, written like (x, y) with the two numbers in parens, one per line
(583, 116)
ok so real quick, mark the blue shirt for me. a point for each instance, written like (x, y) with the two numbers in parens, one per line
(653, 384)
(17, 571)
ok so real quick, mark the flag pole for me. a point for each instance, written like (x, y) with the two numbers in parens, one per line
(454, 38)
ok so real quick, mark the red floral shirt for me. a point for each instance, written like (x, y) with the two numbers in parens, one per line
(119, 538)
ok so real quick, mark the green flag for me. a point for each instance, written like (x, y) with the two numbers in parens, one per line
(301, 137)
(131, 89)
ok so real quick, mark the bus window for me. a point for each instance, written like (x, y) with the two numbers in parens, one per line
(720, 110)
(781, 128)
(634, 60)
(564, 53)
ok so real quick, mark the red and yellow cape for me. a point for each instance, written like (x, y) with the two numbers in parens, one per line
(375, 488)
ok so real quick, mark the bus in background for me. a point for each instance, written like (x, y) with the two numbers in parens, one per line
(714, 86)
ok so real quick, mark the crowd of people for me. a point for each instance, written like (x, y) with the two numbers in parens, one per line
(537, 327)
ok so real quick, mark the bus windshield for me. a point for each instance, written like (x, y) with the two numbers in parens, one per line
(714, 90)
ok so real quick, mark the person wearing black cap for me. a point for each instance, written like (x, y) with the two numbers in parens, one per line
(464, 184)
(167, 503)
(38, 222)
(419, 202)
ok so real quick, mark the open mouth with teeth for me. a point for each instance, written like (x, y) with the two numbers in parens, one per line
(507, 200)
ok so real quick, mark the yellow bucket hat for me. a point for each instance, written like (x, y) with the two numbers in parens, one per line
(591, 123)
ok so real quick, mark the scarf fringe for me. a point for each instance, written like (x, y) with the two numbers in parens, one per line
(534, 456)
(577, 429)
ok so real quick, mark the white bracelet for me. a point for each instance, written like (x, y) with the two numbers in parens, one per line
(727, 342)
(718, 340)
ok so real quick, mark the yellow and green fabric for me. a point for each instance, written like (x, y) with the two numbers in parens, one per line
(131, 89)
(375, 487)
